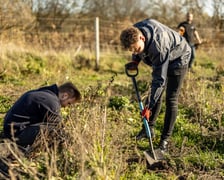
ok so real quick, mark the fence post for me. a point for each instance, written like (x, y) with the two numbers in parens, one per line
(97, 45)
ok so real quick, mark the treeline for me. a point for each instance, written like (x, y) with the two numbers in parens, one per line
(60, 23)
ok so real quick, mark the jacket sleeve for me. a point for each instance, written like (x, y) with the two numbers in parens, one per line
(51, 110)
(160, 63)
(53, 117)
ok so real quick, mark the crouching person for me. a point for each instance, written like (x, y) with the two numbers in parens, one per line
(37, 109)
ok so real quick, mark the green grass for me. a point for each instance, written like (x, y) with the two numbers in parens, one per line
(100, 130)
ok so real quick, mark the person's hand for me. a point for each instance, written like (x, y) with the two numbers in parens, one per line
(146, 113)
(133, 65)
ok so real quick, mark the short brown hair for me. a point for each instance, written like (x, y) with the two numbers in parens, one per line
(129, 36)
(71, 89)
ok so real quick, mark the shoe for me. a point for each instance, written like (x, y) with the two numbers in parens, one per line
(163, 145)
(142, 133)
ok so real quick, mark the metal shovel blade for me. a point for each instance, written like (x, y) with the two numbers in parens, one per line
(156, 164)
(158, 156)
(149, 158)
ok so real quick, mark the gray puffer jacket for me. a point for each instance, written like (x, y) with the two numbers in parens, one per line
(164, 50)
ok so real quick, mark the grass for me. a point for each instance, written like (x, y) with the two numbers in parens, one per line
(98, 133)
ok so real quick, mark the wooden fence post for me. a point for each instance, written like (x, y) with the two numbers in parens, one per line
(97, 45)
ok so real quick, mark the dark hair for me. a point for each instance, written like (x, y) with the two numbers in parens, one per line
(129, 36)
(71, 89)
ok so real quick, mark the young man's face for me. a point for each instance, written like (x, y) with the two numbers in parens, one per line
(65, 100)
(139, 46)
(190, 17)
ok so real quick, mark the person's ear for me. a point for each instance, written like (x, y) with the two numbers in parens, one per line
(64, 96)
(142, 38)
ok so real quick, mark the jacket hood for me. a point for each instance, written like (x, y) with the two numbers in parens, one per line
(53, 88)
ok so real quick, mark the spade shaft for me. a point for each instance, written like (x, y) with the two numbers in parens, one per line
(133, 74)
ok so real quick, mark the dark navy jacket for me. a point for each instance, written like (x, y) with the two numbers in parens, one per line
(35, 106)
(164, 50)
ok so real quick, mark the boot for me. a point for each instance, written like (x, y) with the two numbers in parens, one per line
(142, 133)
(163, 145)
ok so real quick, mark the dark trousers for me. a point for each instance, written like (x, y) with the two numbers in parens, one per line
(27, 136)
(173, 85)
(23, 137)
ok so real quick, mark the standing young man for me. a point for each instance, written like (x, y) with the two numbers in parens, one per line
(168, 54)
(38, 109)
(188, 30)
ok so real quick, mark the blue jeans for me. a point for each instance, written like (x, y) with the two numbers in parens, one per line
(192, 56)
(174, 82)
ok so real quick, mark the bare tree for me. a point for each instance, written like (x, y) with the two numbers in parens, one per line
(218, 17)
(51, 14)
(16, 16)
(116, 9)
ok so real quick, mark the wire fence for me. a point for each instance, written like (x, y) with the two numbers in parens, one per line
(81, 33)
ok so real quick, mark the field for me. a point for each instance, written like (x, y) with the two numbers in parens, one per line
(96, 139)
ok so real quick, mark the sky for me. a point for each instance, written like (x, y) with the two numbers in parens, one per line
(208, 7)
